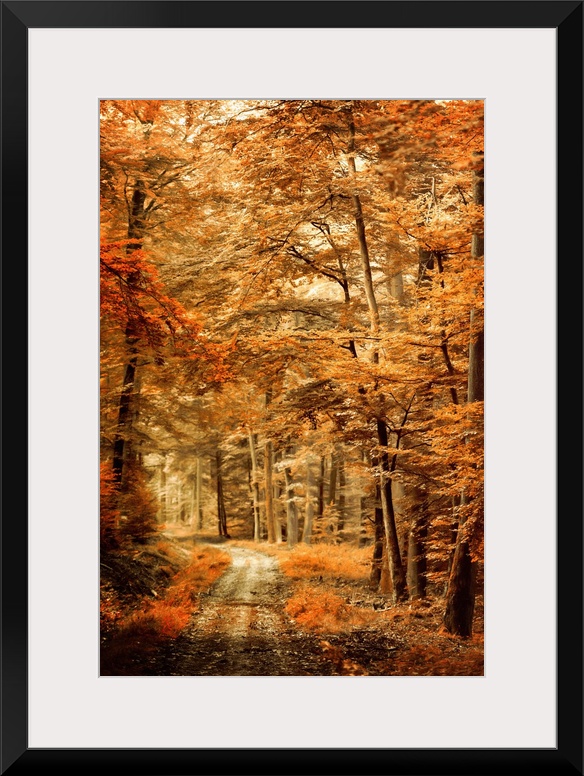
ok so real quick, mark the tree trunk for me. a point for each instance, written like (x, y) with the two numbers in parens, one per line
(377, 559)
(136, 222)
(320, 500)
(192, 481)
(362, 521)
(476, 361)
(396, 287)
(272, 523)
(291, 510)
(309, 514)
(221, 513)
(342, 495)
(162, 494)
(333, 481)
(176, 503)
(199, 484)
(398, 581)
(255, 488)
(277, 502)
(476, 366)
(416, 552)
(364, 508)
(181, 504)
(332, 492)
(385, 585)
(361, 236)
(396, 571)
(460, 596)
(460, 599)
(125, 412)
(269, 492)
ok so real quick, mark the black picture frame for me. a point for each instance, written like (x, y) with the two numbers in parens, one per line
(566, 17)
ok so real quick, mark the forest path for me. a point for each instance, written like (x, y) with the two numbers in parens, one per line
(241, 628)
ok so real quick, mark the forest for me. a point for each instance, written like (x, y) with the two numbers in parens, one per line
(291, 387)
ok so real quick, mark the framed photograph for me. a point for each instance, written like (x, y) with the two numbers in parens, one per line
(305, 323)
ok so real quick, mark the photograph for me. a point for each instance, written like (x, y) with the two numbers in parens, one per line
(297, 356)
(291, 369)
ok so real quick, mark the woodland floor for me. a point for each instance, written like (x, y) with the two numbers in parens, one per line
(241, 626)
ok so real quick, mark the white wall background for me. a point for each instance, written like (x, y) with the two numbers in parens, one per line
(513, 705)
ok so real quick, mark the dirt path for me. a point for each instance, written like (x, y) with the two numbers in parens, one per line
(241, 628)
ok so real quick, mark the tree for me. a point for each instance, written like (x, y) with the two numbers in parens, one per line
(142, 326)
(458, 617)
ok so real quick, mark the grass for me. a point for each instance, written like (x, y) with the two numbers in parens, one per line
(318, 562)
(321, 610)
(326, 562)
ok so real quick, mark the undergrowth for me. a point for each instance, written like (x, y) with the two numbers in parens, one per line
(439, 656)
(134, 634)
(326, 562)
(323, 611)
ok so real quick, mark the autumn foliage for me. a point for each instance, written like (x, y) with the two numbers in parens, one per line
(292, 316)
(318, 563)
(323, 611)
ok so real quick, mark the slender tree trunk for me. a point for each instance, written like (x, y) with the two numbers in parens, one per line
(255, 488)
(364, 508)
(333, 481)
(198, 500)
(162, 494)
(221, 513)
(136, 224)
(125, 412)
(269, 492)
(460, 596)
(176, 503)
(320, 500)
(416, 552)
(180, 503)
(277, 523)
(476, 376)
(396, 571)
(332, 492)
(361, 236)
(398, 581)
(378, 542)
(291, 510)
(272, 525)
(309, 510)
(476, 347)
(342, 495)
(193, 499)
(277, 503)
(362, 520)
(444, 339)
(396, 287)
(452, 534)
